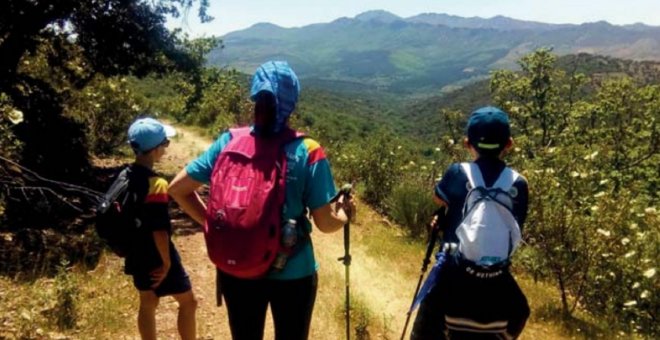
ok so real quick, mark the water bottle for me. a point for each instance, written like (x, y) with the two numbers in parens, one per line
(289, 234)
(280, 261)
(288, 240)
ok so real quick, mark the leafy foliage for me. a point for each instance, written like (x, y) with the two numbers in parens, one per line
(52, 50)
(105, 107)
(223, 103)
(59, 63)
(9, 117)
(410, 204)
(377, 164)
(592, 165)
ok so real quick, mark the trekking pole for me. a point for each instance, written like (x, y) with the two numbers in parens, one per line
(427, 259)
(346, 259)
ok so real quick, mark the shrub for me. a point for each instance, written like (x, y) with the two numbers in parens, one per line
(65, 309)
(411, 205)
(223, 102)
(377, 165)
(105, 107)
(591, 162)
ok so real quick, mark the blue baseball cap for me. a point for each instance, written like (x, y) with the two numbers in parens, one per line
(147, 133)
(278, 78)
(488, 130)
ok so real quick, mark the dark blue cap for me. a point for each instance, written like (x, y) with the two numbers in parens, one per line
(488, 129)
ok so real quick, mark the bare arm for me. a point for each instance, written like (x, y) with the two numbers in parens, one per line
(439, 201)
(182, 189)
(442, 204)
(330, 219)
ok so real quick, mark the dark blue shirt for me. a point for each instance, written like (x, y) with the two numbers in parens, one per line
(453, 187)
(152, 211)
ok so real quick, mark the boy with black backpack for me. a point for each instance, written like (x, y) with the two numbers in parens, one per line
(475, 296)
(134, 220)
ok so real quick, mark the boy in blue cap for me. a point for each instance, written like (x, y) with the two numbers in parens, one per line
(152, 260)
(289, 290)
(471, 299)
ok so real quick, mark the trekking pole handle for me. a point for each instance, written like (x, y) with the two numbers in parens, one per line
(435, 229)
(345, 191)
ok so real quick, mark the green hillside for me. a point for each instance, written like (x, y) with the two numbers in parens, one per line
(381, 51)
(340, 111)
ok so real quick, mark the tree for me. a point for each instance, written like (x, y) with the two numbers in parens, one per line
(116, 36)
(590, 156)
(50, 49)
(52, 55)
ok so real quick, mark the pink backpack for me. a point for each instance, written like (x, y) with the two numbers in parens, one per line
(243, 217)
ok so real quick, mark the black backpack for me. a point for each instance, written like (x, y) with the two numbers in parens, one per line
(116, 215)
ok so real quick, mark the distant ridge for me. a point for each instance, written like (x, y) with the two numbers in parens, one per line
(378, 15)
(497, 22)
(425, 52)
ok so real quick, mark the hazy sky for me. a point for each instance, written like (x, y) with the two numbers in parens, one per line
(232, 15)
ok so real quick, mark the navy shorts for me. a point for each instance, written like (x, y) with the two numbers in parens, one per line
(176, 281)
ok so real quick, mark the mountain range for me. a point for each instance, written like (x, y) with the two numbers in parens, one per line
(423, 54)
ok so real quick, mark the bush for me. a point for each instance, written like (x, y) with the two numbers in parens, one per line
(377, 165)
(223, 102)
(411, 205)
(106, 107)
(66, 309)
(592, 167)
(162, 94)
(9, 116)
(10, 146)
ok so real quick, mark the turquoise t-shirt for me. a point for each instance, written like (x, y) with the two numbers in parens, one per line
(309, 184)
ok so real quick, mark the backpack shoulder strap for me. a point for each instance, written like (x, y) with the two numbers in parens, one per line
(506, 179)
(120, 184)
(241, 142)
(283, 138)
(289, 135)
(473, 174)
(239, 132)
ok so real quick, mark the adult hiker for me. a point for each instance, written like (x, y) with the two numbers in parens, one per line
(263, 178)
(475, 295)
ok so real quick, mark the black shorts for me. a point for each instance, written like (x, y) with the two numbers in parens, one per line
(176, 281)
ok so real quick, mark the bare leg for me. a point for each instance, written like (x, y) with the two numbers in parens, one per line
(186, 319)
(147, 314)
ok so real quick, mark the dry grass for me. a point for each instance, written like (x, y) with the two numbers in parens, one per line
(102, 299)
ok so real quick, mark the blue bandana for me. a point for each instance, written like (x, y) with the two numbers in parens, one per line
(278, 78)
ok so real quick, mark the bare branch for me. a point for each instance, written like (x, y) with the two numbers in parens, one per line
(65, 186)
